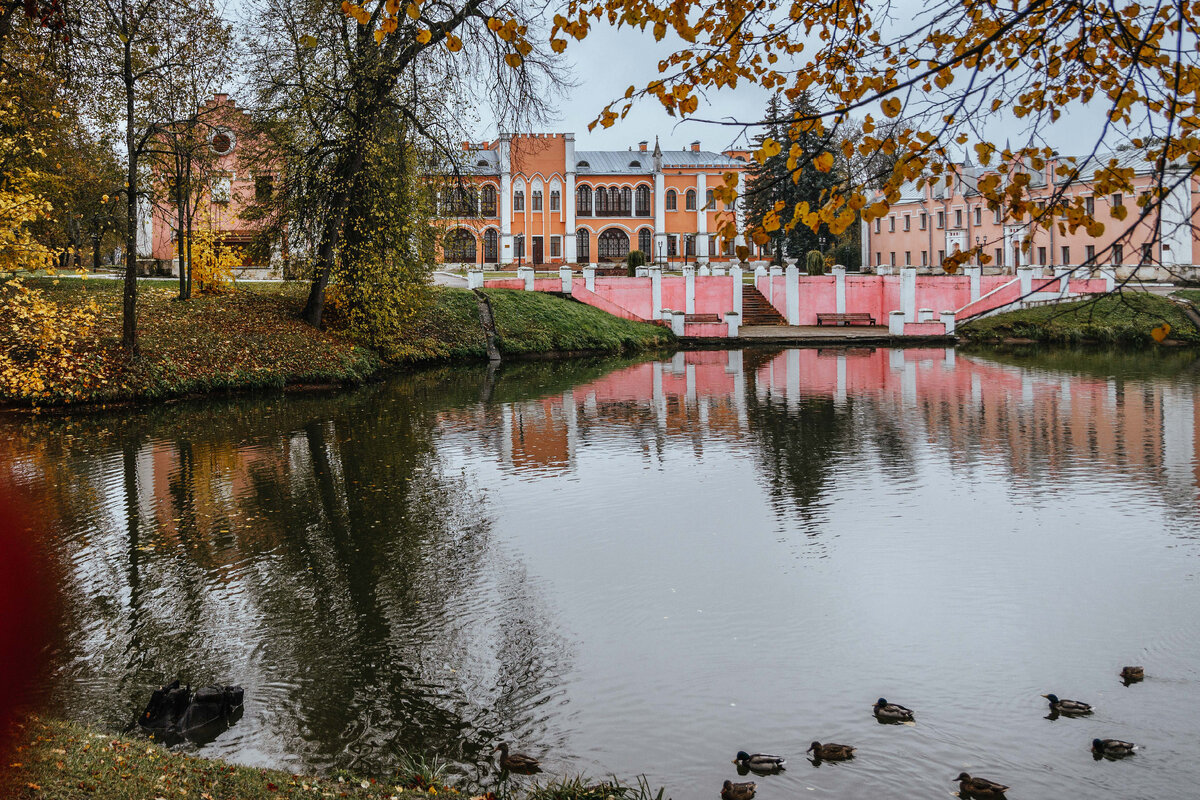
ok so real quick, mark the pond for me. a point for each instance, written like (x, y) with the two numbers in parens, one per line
(642, 567)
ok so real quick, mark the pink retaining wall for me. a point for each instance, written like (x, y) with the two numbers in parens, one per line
(714, 295)
(504, 283)
(715, 330)
(629, 293)
(547, 285)
(584, 295)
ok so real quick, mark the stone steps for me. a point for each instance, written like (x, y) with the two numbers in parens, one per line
(757, 310)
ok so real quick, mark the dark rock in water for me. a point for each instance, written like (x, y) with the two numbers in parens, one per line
(176, 713)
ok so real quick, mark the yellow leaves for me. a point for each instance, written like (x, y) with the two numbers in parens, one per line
(514, 61)
(769, 149)
(1120, 212)
(379, 35)
(759, 237)
(414, 12)
(558, 45)
(984, 151)
(423, 36)
(689, 105)
(453, 43)
(1161, 332)
(823, 162)
(770, 222)
(891, 107)
(494, 25)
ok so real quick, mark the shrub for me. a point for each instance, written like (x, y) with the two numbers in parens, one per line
(815, 262)
(635, 259)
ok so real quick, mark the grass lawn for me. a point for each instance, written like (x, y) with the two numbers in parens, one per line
(1126, 318)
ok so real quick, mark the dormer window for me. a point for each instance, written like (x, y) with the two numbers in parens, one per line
(582, 164)
(636, 164)
(481, 162)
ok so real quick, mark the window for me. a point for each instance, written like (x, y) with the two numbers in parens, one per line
(712, 245)
(941, 257)
(1066, 255)
(1091, 253)
(924, 258)
(672, 246)
(892, 258)
(923, 219)
(626, 201)
(1147, 253)
(996, 215)
(907, 222)
(519, 246)
(878, 223)
(958, 218)
(460, 247)
(488, 206)
(556, 247)
(642, 201)
(518, 200)
(491, 245)
(601, 201)
(264, 188)
(555, 200)
(613, 245)
(689, 244)
(978, 215)
(878, 257)
(1117, 200)
(671, 200)
(941, 219)
(891, 224)
(537, 199)
(222, 189)
(908, 258)
(644, 243)
(1089, 205)
(1042, 256)
(999, 257)
(583, 201)
(1118, 254)
(583, 241)
(690, 200)
(709, 202)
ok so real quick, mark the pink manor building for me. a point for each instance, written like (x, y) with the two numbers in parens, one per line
(929, 224)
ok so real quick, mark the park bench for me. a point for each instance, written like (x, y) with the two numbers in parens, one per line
(857, 318)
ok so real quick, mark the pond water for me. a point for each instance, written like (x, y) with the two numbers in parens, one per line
(643, 567)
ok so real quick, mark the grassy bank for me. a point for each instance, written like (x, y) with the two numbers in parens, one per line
(1121, 319)
(63, 761)
(253, 339)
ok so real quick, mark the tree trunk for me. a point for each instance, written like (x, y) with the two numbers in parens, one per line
(129, 304)
(190, 209)
(179, 231)
(95, 253)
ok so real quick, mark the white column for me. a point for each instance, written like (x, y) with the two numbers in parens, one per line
(1064, 276)
(839, 389)
(1110, 278)
(865, 248)
(564, 275)
(839, 284)
(948, 321)
(474, 279)
(908, 294)
(569, 200)
(896, 323)
(660, 219)
(677, 320)
(589, 277)
(1025, 274)
(701, 219)
(792, 294)
(735, 272)
(792, 378)
(689, 289)
(655, 292)
(732, 319)
(772, 274)
(925, 315)
(974, 274)
(949, 358)
(526, 274)
(504, 200)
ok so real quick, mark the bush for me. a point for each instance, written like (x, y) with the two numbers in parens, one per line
(815, 262)
(635, 259)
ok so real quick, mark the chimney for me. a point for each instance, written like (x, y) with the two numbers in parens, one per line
(642, 145)
(467, 147)
(696, 147)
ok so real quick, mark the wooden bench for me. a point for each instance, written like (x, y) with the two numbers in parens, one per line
(857, 318)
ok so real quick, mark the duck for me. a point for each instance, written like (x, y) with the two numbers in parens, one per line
(978, 787)
(831, 752)
(1132, 674)
(738, 791)
(1067, 707)
(891, 712)
(759, 762)
(516, 762)
(1112, 748)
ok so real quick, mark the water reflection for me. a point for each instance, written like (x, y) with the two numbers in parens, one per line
(646, 566)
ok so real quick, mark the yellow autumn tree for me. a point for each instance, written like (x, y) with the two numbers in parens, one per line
(21, 205)
(213, 261)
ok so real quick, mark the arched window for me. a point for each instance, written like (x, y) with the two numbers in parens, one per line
(613, 245)
(583, 249)
(690, 202)
(644, 243)
(537, 199)
(491, 246)
(626, 202)
(460, 247)
(601, 201)
(709, 202)
(583, 201)
(555, 200)
(518, 200)
(689, 244)
(642, 201)
(671, 200)
(488, 208)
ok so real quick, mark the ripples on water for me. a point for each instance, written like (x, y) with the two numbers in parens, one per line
(645, 567)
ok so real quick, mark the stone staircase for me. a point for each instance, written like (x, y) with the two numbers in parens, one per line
(757, 310)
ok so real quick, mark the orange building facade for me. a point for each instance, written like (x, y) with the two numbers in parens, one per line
(532, 199)
(932, 223)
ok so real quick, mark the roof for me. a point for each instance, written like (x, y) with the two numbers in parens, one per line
(640, 162)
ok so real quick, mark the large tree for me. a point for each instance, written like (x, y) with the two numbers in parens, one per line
(950, 69)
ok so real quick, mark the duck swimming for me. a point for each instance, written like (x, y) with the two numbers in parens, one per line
(1070, 708)
(831, 752)
(1112, 748)
(759, 762)
(517, 762)
(738, 791)
(892, 712)
(1132, 674)
(978, 787)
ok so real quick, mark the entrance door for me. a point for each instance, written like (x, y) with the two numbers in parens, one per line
(537, 250)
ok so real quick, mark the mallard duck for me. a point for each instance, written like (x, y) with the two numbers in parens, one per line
(759, 762)
(891, 712)
(978, 787)
(738, 791)
(831, 752)
(1132, 674)
(1068, 707)
(1112, 748)
(516, 762)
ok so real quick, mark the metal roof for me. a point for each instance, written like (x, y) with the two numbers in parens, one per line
(641, 162)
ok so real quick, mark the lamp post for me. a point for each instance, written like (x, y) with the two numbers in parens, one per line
(978, 251)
